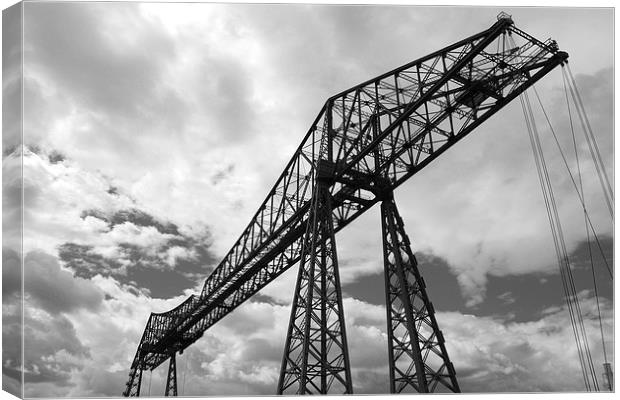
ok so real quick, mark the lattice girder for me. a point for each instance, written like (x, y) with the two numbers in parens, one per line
(316, 356)
(377, 135)
(171, 379)
(418, 360)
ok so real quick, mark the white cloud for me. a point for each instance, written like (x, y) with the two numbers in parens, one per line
(235, 111)
(176, 252)
(489, 354)
(181, 101)
(55, 195)
(492, 355)
(112, 336)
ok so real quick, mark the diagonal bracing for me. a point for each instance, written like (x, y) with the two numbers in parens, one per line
(418, 360)
(315, 357)
(376, 135)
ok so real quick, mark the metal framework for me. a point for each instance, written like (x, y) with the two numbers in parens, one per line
(171, 380)
(418, 359)
(315, 355)
(373, 136)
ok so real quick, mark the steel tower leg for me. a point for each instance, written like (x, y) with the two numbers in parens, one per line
(135, 381)
(418, 358)
(171, 382)
(316, 358)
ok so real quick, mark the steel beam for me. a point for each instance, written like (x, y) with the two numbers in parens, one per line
(418, 360)
(316, 359)
(135, 378)
(376, 135)
(171, 380)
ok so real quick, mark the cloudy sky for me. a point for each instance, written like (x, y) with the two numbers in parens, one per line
(152, 132)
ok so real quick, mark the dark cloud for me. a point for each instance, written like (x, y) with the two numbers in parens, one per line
(532, 293)
(602, 252)
(56, 157)
(85, 263)
(496, 355)
(520, 297)
(108, 66)
(12, 336)
(76, 44)
(51, 349)
(441, 284)
(11, 274)
(55, 290)
(46, 337)
(135, 216)
(145, 272)
(12, 333)
(138, 265)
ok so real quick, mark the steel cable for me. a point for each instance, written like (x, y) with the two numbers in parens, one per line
(571, 298)
(591, 140)
(579, 193)
(598, 306)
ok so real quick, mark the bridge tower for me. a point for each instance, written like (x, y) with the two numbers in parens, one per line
(365, 142)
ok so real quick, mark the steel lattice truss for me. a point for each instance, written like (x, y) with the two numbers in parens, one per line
(171, 380)
(418, 359)
(315, 355)
(375, 136)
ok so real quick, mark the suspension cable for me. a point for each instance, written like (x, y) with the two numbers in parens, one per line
(591, 140)
(586, 216)
(579, 193)
(571, 297)
(598, 306)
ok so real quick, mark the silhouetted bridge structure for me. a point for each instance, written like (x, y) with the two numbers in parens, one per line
(365, 142)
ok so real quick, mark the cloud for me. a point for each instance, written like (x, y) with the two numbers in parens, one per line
(485, 214)
(12, 44)
(56, 290)
(51, 349)
(506, 298)
(151, 109)
(99, 230)
(52, 352)
(490, 354)
(12, 336)
(55, 194)
(99, 68)
(11, 274)
(12, 197)
(495, 356)
(111, 336)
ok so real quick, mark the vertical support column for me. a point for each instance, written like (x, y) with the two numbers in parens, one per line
(171, 381)
(316, 358)
(418, 359)
(135, 381)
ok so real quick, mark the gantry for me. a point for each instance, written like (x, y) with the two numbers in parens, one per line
(365, 142)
